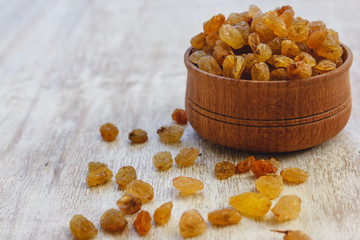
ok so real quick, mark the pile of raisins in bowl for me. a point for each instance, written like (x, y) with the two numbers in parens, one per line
(274, 45)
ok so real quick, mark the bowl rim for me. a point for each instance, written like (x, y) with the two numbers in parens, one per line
(344, 67)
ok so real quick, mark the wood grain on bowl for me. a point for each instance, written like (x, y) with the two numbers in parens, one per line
(273, 116)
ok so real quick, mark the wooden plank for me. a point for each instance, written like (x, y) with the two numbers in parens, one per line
(70, 66)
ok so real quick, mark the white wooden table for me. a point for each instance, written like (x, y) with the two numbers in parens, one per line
(66, 67)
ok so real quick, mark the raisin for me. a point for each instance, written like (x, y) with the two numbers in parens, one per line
(211, 40)
(214, 24)
(141, 189)
(294, 175)
(293, 235)
(254, 41)
(179, 116)
(251, 204)
(233, 66)
(307, 58)
(235, 18)
(261, 167)
(276, 24)
(99, 174)
(129, 204)
(299, 70)
(198, 41)
(109, 132)
(338, 62)
(138, 136)
(275, 45)
(278, 74)
(274, 162)
(270, 186)
(231, 36)
(289, 49)
(250, 60)
(171, 134)
(244, 30)
(287, 16)
(245, 165)
(224, 170)
(162, 161)
(279, 61)
(325, 66)
(221, 51)
(209, 64)
(260, 72)
(163, 213)
(191, 224)
(253, 9)
(264, 32)
(287, 208)
(113, 221)
(124, 176)
(81, 228)
(263, 51)
(299, 30)
(329, 49)
(195, 56)
(224, 217)
(142, 223)
(187, 185)
(186, 157)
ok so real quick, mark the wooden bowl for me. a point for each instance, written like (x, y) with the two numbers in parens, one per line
(271, 116)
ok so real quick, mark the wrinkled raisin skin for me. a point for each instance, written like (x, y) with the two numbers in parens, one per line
(179, 116)
(191, 224)
(129, 204)
(224, 170)
(113, 221)
(163, 213)
(109, 132)
(142, 223)
(138, 136)
(81, 228)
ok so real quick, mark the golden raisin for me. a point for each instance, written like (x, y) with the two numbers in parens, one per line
(198, 41)
(171, 134)
(251, 204)
(179, 116)
(299, 70)
(233, 66)
(287, 208)
(307, 58)
(113, 221)
(254, 41)
(293, 235)
(99, 174)
(250, 60)
(289, 49)
(142, 223)
(191, 224)
(299, 30)
(81, 228)
(260, 72)
(162, 161)
(124, 176)
(294, 175)
(141, 189)
(263, 51)
(245, 165)
(280, 61)
(224, 217)
(214, 24)
(187, 185)
(224, 170)
(109, 132)
(209, 64)
(163, 213)
(138, 136)
(129, 204)
(195, 56)
(261, 167)
(278, 74)
(221, 51)
(235, 18)
(231, 36)
(270, 186)
(325, 66)
(186, 157)
(274, 162)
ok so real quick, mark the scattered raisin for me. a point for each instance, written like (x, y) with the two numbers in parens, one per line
(287, 208)
(124, 176)
(187, 185)
(129, 204)
(224, 217)
(138, 136)
(191, 224)
(251, 204)
(224, 170)
(99, 174)
(162, 160)
(163, 213)
(293, 235)
(245, 165)
(179, 116)
(109, 132)
(270, 186)
(141, 189)
(186, 157)
(171, 134)
(261, 167)
(113, 221)
(81, 228)
(142, 223)
(294, 175)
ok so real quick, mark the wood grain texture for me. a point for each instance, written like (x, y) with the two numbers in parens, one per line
(268, 116)
(66, 67)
